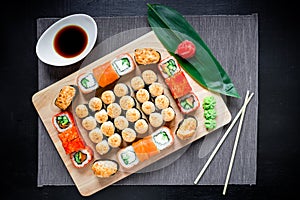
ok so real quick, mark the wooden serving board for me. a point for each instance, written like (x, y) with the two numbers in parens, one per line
(84, 179)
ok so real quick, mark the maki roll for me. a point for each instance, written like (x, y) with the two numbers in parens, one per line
(121, 90)
(141, 126)
(114, 110)
(142, 95)
(102, 147)
(133, 114)
(150, 146)
(127, 157)
(101, 116)
(105, 74)
(162, 138)
(128, 135)
(107, 128)
(149, 76)
(156, 89)
(162, 102)
(89, 123)
(146, 56)
(148, 107)
(82, 157)
(96, 135)
(169, 67)
(168, 114)
(65, 97)
(187, 128)
(140, 150)
(95, 104)
(63, 121)
(123, 64)
(156, 119)
(105, 168)
(188, 103)
(71, 140)
(108, 97)
(87, 83)
(81, 111)
(114, 140)
(121, 122)
(137, 83)
(178, 85)
(126, 102)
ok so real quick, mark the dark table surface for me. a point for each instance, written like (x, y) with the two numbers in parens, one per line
(278, 137)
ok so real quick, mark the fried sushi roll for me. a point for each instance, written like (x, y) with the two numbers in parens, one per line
(156, 119)
(105, 168)
(108, 97)
(142, 95)
(121, 122)
(127, 157)
(96, 135)
(107, 128)
(156, 89)
(137, 83)
(81, 111)
(127, 102)
(114, 140)
(162, 102)
(187, 128)
(168, 114)
(128, 135)
(89, 123)
(87, 83)
(102, 147)
(95, 104)
(121, 89)
(188, 103)
(169, 67)
(133, 114)
(149, 76)
(123, 64)
(101, 116)
(141, 126)
(146, 56)
(63, 121)
(148, 107)
(65, 97)
(82, 157)
(105, 74)
(113, 110)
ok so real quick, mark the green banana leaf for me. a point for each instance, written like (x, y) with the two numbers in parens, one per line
(171, 28)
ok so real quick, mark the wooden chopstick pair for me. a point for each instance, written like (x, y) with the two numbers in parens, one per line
(241, 114)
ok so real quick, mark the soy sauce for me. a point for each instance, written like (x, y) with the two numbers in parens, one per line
(70, 41)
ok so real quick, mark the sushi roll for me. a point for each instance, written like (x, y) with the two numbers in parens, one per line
(148, 107)
(113, 110)
(156, 119)
(187, 128)
(96, 135)
(89, 123)
(114, 140)
(87, 83)
(178, 85)
(142, 95)
(162, 138)
(63, 121)
(71, 140)
(107, 128)
(101, 116)
(121, 122)
(81, 111)
(108, 97)
(169, 67)
(162, 102)
(133, 114)
(188, 103)
(121, 90)
(95, 104)
(149, 76)
(128, 135)
(137, 83)
(146, 56)
(105, 74)
(168, 114)
(127, 102)
(102, 147)
(127, 157)
(82, 157)
(140, 150)
(156, 89)
(149, 146)
(123, 64)
(104, 168)
(65, 97)
(141, 126)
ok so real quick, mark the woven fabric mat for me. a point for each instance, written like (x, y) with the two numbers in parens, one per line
(234, 41)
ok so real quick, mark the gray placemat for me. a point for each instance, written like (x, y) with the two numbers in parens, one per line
(234, 41)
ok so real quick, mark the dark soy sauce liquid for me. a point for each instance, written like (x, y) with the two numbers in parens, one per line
(70, 41)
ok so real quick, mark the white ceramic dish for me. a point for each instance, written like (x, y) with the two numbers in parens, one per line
(45, 47)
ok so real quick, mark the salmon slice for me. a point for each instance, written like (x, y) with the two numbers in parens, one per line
(105, 74)
(140, 150)
(149, 146)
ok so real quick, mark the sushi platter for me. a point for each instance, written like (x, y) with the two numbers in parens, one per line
(124, 112)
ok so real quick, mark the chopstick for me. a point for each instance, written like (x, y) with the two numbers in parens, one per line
(222, 139)
(235, 147)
